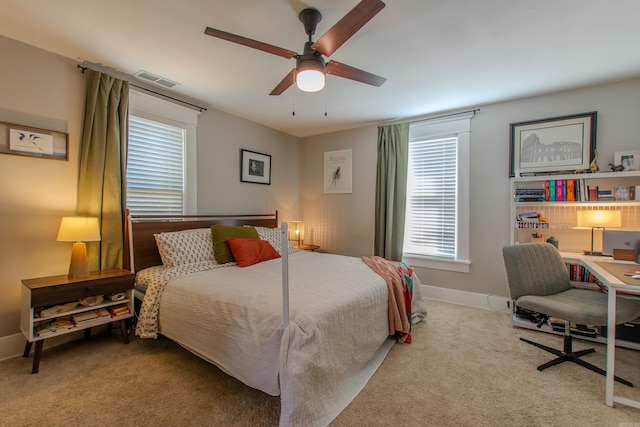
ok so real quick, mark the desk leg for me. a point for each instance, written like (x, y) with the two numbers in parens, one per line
(611, 346)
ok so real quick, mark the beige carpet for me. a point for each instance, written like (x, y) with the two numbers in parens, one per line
(466, 367)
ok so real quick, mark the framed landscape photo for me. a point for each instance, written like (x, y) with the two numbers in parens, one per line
(629, 160)
(34, 142)
(557, 144)
(255, 167)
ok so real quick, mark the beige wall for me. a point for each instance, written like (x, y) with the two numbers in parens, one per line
(47, 91)
(339, 223)
(220, 138)
(350, 218)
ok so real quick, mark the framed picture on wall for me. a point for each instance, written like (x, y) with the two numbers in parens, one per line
(556, 144)
(255, 167)
(34, 142)
(338, 171)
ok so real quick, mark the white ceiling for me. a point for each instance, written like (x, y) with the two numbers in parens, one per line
(437, 55)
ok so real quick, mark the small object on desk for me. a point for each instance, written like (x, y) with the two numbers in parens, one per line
(625, 254)
(631, 272)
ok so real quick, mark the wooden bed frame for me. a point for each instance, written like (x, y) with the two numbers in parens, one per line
(140, 249)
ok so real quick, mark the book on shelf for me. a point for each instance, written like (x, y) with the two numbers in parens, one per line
(560, 190)
(529, 195)
(118, 310)
(605, 194)
(571, 190)
(546, 191)
(552, 190)
(91, 315)
(52, 327)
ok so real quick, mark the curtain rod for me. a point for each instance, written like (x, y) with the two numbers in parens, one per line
(424, 119)
(474, 111)
(155, 93)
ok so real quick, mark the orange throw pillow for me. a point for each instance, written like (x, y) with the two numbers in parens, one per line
(249, 251)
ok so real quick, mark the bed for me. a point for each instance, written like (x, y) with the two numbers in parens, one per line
(336, 336)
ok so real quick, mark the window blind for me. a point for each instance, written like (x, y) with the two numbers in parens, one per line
(431, 198)
(155, 168)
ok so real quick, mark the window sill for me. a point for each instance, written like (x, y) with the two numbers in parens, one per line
(459, 266)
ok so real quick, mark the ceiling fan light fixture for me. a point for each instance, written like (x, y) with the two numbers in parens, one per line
(310, 80)
(310, 73)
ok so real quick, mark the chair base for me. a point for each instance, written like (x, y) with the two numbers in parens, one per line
(567, 355)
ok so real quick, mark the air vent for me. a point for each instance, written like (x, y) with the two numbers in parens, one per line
(145, 75)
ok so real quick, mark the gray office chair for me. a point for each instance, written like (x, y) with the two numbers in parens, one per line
(539, 281)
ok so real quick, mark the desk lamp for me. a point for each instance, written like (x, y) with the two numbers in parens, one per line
(598, 219)
(79, 229)
(296, 232)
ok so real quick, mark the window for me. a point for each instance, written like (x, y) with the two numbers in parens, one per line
(160, 157)
(437, 214)
(155, 168)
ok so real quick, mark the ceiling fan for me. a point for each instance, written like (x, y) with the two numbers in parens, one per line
(309, 74)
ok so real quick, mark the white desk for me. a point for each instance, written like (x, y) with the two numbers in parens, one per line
(614, 285)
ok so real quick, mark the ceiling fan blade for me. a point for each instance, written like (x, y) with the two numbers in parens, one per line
(347, 26)
(288, 80)
(348, 72)
(265, 47)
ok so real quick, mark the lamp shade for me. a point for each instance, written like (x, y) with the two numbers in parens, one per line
(599, 218)
(79, 229)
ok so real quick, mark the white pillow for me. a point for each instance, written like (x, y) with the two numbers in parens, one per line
(185, 247)
(272, 235)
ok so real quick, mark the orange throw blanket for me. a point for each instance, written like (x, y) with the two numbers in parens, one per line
(400, 284)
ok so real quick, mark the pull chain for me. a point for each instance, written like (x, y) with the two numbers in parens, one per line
(325, 96)
(293, 106)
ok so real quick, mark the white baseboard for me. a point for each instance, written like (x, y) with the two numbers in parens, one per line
(11, 346)
(472, 299)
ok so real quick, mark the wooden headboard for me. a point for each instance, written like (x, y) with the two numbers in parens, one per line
(140, 246)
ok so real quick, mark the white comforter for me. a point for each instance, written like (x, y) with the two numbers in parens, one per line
(336, 339)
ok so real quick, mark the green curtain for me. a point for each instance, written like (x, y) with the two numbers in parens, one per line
(391, 190)
(103, 158)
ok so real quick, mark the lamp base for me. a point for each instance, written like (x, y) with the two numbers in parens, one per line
(79, 267)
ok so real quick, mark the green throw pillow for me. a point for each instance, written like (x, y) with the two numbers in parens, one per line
(221, 233)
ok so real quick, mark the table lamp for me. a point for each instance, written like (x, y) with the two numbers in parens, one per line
(79, 229)
(598, 219)
(296, 232)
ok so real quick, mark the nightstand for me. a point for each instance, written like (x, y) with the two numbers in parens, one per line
(311, 248)
(43, 297)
